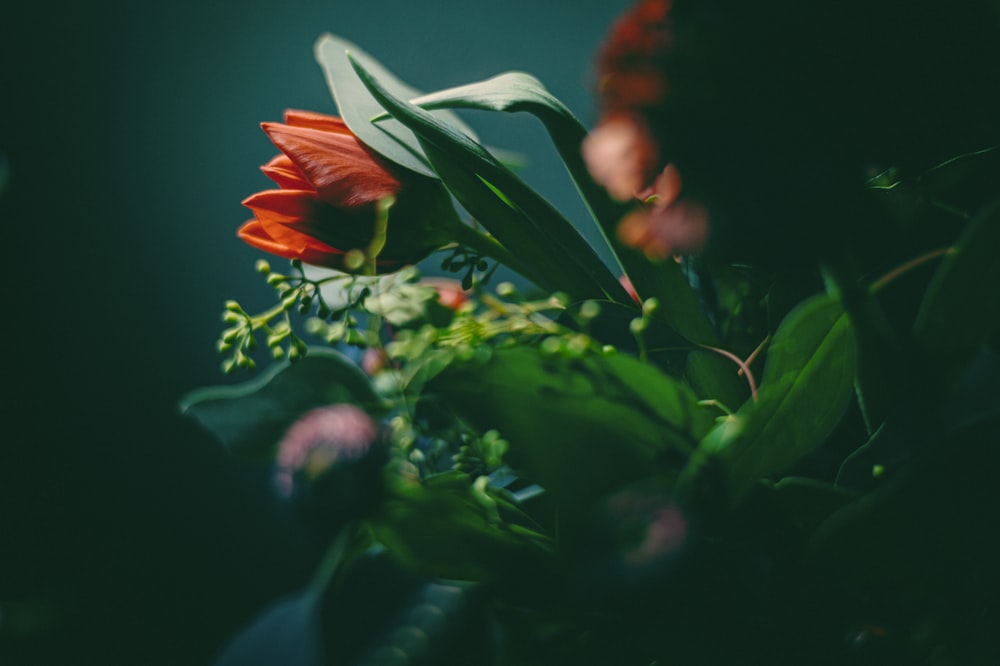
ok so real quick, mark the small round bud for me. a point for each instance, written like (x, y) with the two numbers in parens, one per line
(650, 305)
(551, 345)
(276, 279)
(296, 264)
(354, 260)
(506, 289)
(233, 306)
(590, 309)
(638, 325)
(560, 299)
(578, 344)
(223, 346)
(262, 267)
(230, 317)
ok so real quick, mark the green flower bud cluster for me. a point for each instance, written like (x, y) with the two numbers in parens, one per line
(477, 270)
(480, 456)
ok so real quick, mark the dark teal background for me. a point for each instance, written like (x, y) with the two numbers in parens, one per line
(130, 134)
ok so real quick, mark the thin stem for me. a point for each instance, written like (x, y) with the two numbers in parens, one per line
(740, 362)
(755, 353)
(908, 266)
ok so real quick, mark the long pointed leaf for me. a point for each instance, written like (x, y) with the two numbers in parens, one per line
(390, 139)
(554, 233)
(513, 92)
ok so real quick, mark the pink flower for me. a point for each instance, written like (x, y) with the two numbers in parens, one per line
(321, 439)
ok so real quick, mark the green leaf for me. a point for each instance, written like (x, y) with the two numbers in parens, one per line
(290, 631)
(534, 230)
(806, 386)
(577, 426)
(962, 306)
(250, 418)
(357, 106)
(517, 91)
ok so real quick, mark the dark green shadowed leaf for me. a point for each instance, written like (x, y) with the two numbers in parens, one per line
(446, 528)
(290, 631)
(807, 384)
(357, 106)
(548, 234)
(577, 426)
(250, 418)
(962, 306)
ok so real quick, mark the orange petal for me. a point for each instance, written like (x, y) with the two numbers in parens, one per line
(276, 234)
(282, 206)
(319, 121)
(285, 174)
(343, 172)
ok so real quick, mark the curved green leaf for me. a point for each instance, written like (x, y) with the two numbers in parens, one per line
(577, 426)
(806, 386)
(357, 107)
(962, 306)
(539, 233)
(517, 91)
(250, 418)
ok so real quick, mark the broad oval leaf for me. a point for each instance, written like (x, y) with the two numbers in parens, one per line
(250, 418)
(357, 107)
(577, 426)
(806, 386)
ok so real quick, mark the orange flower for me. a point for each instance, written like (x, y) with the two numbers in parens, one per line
(329, 186)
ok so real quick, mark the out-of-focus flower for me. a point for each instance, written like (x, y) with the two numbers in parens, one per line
(621, 155)
(630, 64)
(449, 292)
(668, 224)
(330, 185)
(623, 152)
(334, 447)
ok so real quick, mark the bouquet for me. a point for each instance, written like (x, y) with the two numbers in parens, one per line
(758, 434)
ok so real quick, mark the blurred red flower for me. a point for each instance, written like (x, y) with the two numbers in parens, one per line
(329, 187)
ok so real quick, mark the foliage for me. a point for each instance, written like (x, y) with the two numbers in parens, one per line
(686, 461)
